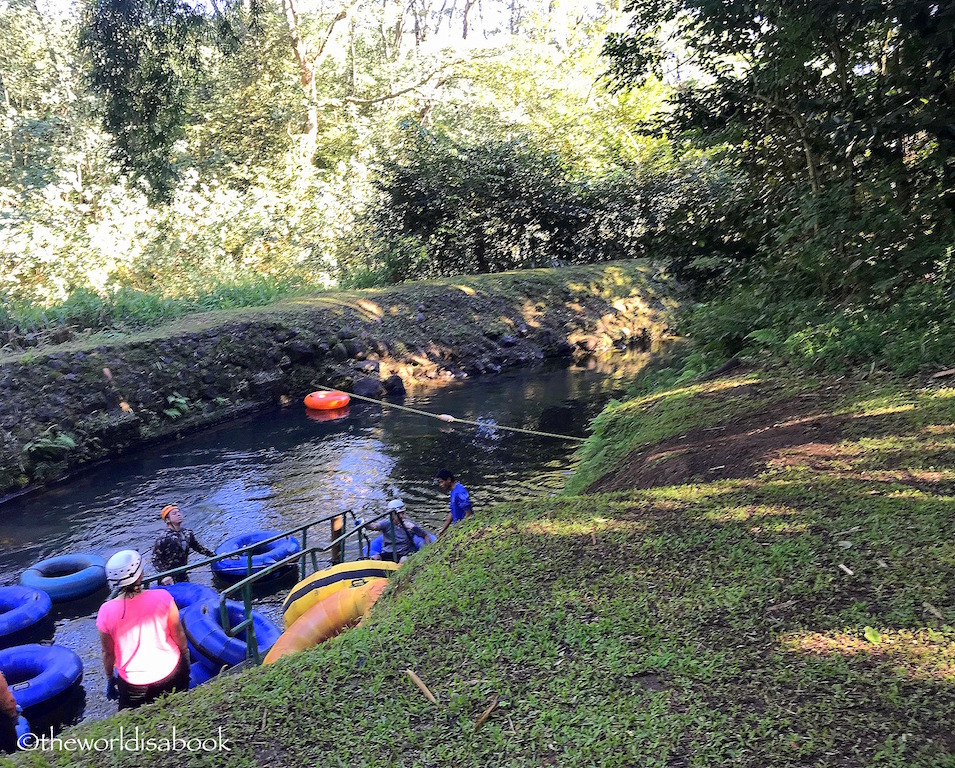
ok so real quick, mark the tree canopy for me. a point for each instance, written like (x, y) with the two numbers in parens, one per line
(840, 115)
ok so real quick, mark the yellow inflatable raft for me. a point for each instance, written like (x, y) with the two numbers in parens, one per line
(321, 584)
(328, 618)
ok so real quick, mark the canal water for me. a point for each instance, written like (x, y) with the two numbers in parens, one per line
(280, 468)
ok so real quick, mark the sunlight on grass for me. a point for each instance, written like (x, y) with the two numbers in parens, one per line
(773, 526)
(466, 289)
(920, 655)
(743, 513)
(690, 390)
(370, 307)
(696, 492)
(584, 527)
(895, 402)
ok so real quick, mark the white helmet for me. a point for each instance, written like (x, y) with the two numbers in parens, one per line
(396, 505)
(124, 568)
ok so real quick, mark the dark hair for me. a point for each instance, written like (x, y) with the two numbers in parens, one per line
(444, 474)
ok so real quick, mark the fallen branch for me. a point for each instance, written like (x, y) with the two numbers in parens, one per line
(853, 529)
(486, 714)
(421, 686)
(780, 606)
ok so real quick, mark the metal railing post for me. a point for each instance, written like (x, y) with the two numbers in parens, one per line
(338, 524)
(251, 644)
(301, 569)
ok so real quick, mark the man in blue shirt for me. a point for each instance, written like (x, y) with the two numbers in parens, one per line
(460, 503)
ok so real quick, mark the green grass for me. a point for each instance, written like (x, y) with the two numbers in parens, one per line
(127, 308)
(124, 311)
(696, 625)
(623, 427)
(504, 295)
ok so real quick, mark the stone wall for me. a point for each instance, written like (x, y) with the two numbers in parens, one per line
(66, 406)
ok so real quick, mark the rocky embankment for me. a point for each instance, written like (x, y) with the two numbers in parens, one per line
(68, 405)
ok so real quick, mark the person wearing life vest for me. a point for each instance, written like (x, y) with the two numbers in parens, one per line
(144, 646)
(399, 529)
(171, 550)
(460, 501)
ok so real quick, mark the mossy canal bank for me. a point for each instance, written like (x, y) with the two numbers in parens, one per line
(790, 609)
(63, 407)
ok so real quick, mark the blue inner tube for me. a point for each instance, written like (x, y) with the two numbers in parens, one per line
(199, 673)
(185, 593)
(376, 545)
(236, 568)
(22, 610)
(205, 633)
(40, 675)
(67, 577)
(23, 730)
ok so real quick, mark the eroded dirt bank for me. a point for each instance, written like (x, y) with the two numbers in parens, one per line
(72, 404)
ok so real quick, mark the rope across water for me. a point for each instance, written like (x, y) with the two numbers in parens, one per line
(454, 420)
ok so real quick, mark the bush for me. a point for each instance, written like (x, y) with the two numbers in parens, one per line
(906, 335)
(130, 309)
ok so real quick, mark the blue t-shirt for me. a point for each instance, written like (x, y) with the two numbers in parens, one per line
(460, 502)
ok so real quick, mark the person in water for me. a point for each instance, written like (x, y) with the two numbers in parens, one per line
(401, 530)
(460, 502)
(144, 646)
(171, 550)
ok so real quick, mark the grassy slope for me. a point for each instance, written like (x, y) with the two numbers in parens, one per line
(607, 281)
(706, 624)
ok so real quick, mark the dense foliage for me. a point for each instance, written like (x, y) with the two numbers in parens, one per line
(792, 163)
(839, 116)
(161, 156)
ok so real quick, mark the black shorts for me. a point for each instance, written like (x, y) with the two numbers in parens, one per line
(132, 696)
(8, 733)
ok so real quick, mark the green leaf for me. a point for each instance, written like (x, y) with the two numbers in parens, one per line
(872, 635)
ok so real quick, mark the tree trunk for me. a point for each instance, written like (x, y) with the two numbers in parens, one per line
(309, 136)
(468, 5)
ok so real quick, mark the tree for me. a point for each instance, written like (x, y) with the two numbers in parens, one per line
(839, 113)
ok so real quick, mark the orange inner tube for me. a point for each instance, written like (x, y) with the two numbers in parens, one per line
(325, 400)
(327, 618)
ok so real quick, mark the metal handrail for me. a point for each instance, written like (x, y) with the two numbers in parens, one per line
(252, 647)
(242, 550)
(245, 585)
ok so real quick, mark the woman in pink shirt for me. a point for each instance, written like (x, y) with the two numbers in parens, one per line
(144, 647)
